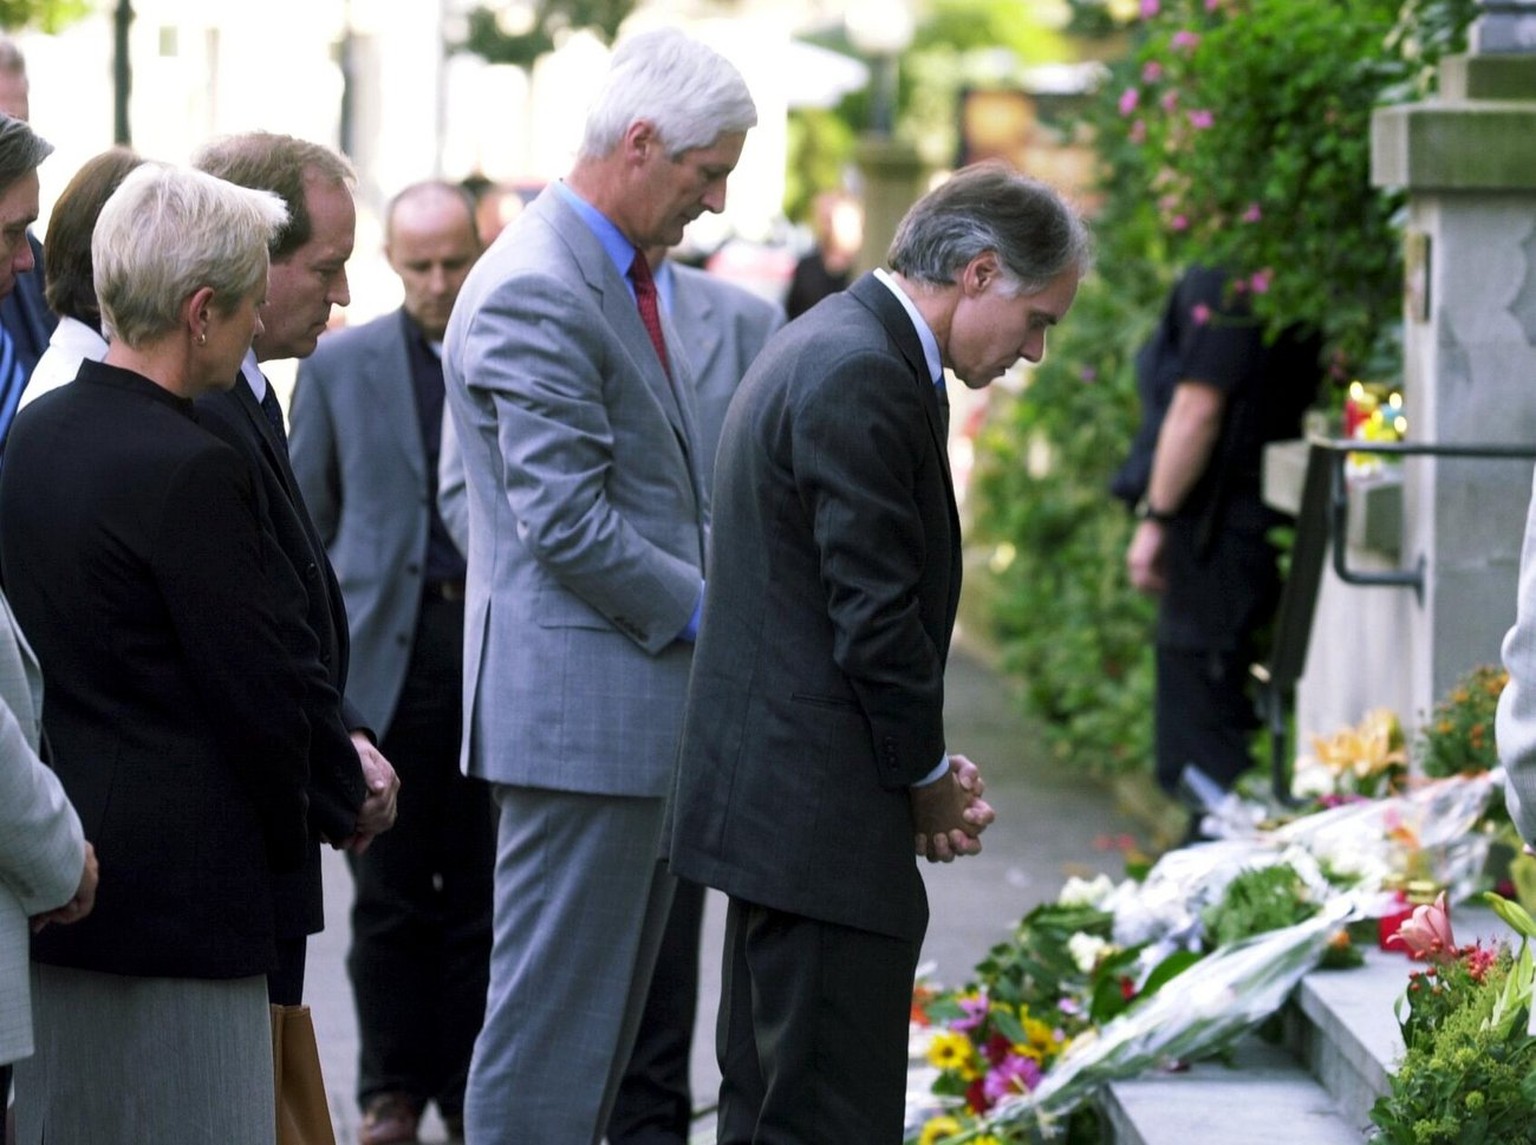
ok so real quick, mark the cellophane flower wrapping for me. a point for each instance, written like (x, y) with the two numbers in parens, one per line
(1199, 1013)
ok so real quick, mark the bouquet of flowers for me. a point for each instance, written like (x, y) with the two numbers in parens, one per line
(1200, 1012)
(1467, 1072)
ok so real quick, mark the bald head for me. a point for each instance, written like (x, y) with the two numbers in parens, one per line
(431, 242)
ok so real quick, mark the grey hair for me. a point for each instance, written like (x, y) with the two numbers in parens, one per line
(992, 207)
(690, 93)
(165, 233)
(21, 150)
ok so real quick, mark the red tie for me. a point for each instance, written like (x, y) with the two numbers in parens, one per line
(650, 312)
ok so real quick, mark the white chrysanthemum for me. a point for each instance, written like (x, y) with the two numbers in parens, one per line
(1086, 892)
(1086, 950)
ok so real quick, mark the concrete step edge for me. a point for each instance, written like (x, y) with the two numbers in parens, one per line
(1264, 1097)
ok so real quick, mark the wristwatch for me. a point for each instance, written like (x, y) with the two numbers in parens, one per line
(1145, 512)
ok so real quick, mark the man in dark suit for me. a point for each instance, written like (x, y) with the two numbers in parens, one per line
(26, 323)
(367, 421)
(813, 754)
(574, 417)
(720, 327)
(352, 787)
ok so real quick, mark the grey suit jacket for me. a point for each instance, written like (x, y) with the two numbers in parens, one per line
(356, 448)
(1515, 725)
(586, 516)
(817, 694)
(722, 327)
(42, 849)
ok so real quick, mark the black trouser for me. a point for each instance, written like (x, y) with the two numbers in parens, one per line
(812, 1036)
(421, 921)
(655, 1103)
(1205, 715)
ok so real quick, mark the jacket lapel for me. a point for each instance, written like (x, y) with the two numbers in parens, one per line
(387, 364)
(873, 294)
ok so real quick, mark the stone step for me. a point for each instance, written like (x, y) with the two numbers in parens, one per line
(1263, 1097)
(1339, 1046)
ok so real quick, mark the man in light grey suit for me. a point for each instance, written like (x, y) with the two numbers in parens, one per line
(721, 327)
(367, 418)
(587, 522)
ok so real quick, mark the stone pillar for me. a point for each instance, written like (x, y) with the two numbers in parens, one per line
(892, 173)
(1468, 162)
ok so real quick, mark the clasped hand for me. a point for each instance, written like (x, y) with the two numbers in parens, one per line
(950, 813)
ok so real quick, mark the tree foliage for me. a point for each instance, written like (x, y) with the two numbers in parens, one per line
(1288, 86)
(44, 15)
(551, 20)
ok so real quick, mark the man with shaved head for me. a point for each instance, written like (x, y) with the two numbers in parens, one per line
(367, 417)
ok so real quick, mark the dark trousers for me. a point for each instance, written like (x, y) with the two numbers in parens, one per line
(421, 919)
(1204, 715)
(812, 1036)
(285, 985)
(655, 1103)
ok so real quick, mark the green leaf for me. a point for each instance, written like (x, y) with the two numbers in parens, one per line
(1515, 915)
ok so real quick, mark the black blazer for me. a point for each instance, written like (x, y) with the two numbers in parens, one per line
(817, 691)
(309, 591)
(133, 559)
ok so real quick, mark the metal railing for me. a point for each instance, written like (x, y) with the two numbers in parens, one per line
(1339, 450)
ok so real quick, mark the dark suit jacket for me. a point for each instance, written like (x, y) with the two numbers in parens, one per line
(132, 554)
(817, 691)
(310, 592)
(25, 315)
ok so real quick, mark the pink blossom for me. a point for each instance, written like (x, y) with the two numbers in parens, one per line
(975, 1008)
(1150, 8)
(1151, 72)
(1201, 119)
(1088, 374)
(1428, 933)
(1253, 214)
(1179, 223)
(1201, 313)
(1259, 280)
(1128, 100)
(1170, 100)
(1014, 1074)
(1138, 132)
(1186, 40)
(1213, 5)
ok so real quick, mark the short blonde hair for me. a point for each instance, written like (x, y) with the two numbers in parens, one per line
(168, 231)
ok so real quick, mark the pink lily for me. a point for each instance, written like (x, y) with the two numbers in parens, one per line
(1427, 934)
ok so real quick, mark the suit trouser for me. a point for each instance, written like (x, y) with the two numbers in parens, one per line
(655, 1103)
(812, 1034)
(581, 903)
(421, 919)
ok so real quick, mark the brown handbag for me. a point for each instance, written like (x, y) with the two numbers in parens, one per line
(303, 1114)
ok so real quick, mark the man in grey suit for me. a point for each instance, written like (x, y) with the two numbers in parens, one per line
(814, 755)
(587, 521)
(721, 327)
(367, 418)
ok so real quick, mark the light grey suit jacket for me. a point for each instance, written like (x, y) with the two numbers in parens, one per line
(1515, 724)
(586, 516)
(42, 850)
(721, 327)
(356, 448)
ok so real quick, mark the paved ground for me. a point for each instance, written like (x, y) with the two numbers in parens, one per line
(1050, 824)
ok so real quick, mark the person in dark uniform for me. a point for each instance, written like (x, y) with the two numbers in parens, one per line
(1214, 393)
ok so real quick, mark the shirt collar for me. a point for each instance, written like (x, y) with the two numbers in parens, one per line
(924, 334)
(613, 241)
(251, 372)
